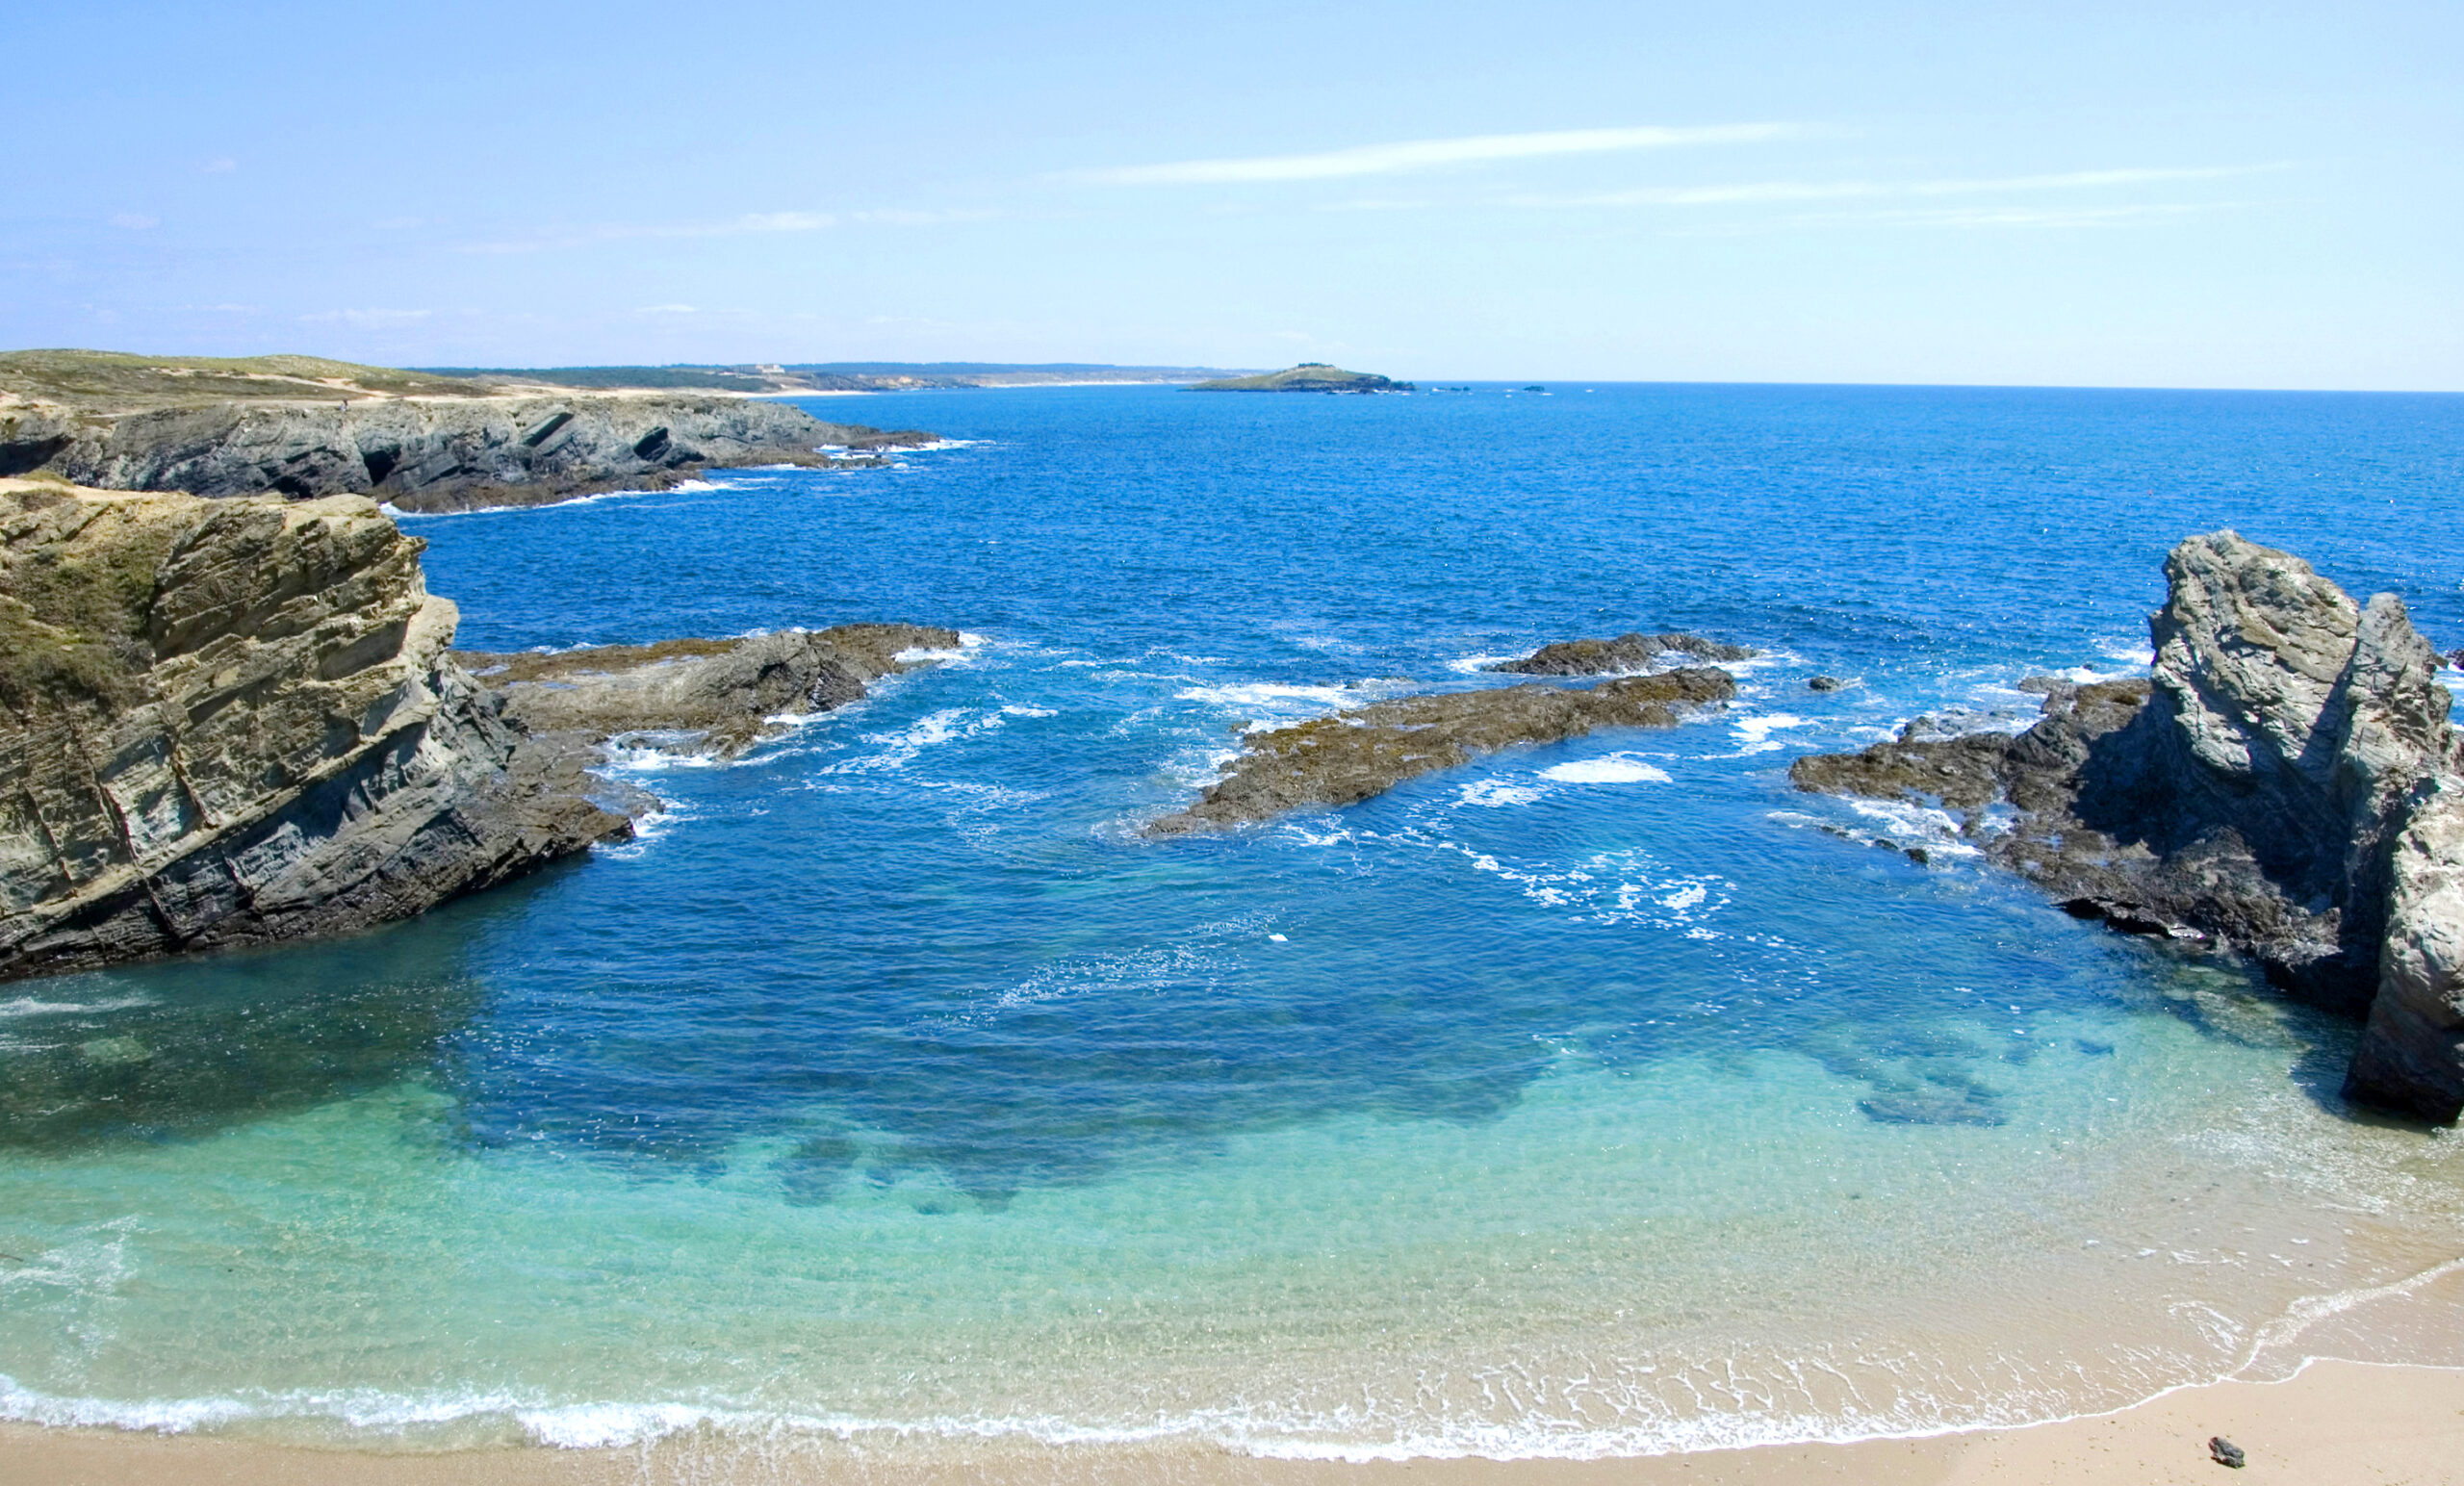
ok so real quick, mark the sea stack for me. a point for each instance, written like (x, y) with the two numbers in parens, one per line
(2285, 784)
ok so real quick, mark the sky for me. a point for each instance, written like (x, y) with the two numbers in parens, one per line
(2249, 195)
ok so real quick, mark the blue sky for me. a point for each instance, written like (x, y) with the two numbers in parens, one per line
(2249, 195)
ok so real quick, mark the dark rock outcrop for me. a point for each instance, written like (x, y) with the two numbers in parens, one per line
(2283, 785)
(713, 697)
(1350, 757)
(428, 453)
(1628, 653)
(234, 721)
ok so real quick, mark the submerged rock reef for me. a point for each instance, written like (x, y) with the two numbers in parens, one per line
(714, 697)
(234, 721)
(1352, 755)
(237, 722)
(2286, 785)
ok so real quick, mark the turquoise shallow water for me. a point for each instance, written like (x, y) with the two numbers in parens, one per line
(1601, 1098)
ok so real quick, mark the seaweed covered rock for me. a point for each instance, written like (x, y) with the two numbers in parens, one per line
(1628, 653)
(1350, 757)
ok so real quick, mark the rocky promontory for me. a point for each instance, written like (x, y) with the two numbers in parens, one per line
(234, 721)
(1348, 756)
(710, 696)
(237, 722)
(297, 427)
(2286, 785)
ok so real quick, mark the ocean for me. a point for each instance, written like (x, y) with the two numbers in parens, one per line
(1606, 1098)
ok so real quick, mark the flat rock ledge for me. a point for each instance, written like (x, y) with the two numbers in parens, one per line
(714, 697)
(1342, 760)
(1626, 654)
(2285, 786)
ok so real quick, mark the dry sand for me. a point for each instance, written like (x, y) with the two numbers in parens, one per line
(2335, 1423)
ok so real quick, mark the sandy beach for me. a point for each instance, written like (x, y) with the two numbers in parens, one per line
(2335, 1423)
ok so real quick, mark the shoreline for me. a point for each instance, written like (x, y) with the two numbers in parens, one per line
(2331, 1423)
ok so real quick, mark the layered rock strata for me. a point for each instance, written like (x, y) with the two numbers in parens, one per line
(428, 455)
(234, 721)
(1627, 653)
(2284, 786)
(708, 697)
(1346, 757)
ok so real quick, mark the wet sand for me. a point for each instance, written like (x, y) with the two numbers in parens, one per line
(2335, 1423)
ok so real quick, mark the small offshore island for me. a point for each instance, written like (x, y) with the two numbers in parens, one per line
(1308, 376)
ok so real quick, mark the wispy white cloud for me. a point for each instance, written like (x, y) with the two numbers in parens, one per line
(220, 165)
(2040, 216)
(1759, 193)
(1426, 154)
(667, 309)
(1977, 217)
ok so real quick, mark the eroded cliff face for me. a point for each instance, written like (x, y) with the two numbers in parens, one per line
(424, 454)
(2285, 784)
(230, 722)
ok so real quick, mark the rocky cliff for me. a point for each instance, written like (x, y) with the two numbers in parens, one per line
(2285, 784)
(420, 453)
(233, 722)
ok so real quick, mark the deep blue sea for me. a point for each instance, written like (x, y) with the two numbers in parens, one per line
(1609, 1097)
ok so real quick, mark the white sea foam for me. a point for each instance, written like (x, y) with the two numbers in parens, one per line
(30, 1006)
(1903, 824)
(1473, 665)
(1754, 733)
(647, 828)
(1494, 794)
(1614, 769)
(639, 752)
(1245, 696)
(680, 487)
